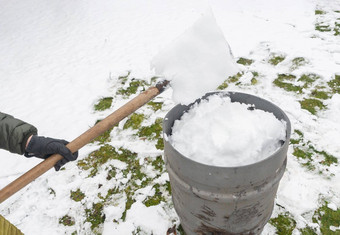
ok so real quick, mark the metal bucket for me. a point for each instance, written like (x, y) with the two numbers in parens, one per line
(224, 200)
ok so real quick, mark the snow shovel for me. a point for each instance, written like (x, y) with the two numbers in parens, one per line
(84, 139)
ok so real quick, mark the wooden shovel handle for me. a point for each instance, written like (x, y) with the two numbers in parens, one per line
(83, 139)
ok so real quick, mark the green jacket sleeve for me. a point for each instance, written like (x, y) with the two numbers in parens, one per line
(14, 133)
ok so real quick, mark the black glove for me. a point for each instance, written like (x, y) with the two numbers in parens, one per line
(43, 147)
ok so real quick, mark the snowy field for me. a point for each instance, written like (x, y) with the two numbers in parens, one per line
(66, 64)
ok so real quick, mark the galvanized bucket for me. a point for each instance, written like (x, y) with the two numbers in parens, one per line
(224, 200)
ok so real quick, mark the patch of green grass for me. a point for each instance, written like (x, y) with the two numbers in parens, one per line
(325, 27)
(337, 28)
(326, 217)
(111, 173)
(103, 138)
(299, 140)
(254, 80)
(297, 62)
(294, 141)
(322, 27)
(286, 82)
(133, 172)
(310, 166)
(67, 220)
(302, 154)
(168, 187)
(320, 94)
(133, 87)
(312, 105)
(308, 153)
(95, 215)
(319, 12)
(160, 144)
(139, 180)
(255, 74)
(155, 105)
(136, 171)
(284, 224)
(286, 77)
(105, 153)
(235, 78)
(129, 201)
(288, 86)
(135, 120)
(156, 198)
(223, 86)
(231, 79)
(123, 79)
(153, 131)
(308, 79)
(337, 31)
(110, 192)
(328, 159)
(306, 156)
(335, 84)
(158, 163)
(77, 195)
(137, 231)
(136, 175)
(103, 103)
(281, 79)
(244, 61)
(307, 231)
(276, 59)
(299, 133)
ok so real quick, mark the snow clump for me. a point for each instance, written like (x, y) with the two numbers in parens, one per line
(198, 61)
(219, 132)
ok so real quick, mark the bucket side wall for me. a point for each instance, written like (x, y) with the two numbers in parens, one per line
(223, 179)
(245, 212)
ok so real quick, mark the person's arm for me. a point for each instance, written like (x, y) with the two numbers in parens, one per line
(14, 133)
(20, 137)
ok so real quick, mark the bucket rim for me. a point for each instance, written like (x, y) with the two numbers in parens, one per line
(270, 157)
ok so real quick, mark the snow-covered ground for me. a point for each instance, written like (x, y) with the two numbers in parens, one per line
(59, 57)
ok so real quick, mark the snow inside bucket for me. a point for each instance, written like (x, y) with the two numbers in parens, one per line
(219, 132)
